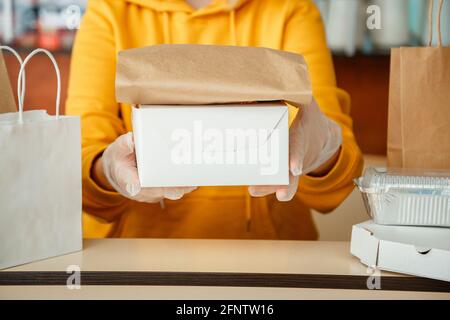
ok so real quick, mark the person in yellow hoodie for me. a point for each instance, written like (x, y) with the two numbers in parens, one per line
(111, 209)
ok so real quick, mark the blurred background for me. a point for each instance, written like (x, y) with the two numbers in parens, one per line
(359, 32)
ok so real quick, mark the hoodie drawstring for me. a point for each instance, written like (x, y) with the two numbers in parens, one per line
(232, 27)
(166, 28)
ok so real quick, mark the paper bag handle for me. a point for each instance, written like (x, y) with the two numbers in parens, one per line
(58, 79)
(438, 22)
(14, 52)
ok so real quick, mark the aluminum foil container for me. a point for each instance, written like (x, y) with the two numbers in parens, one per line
(406, 197)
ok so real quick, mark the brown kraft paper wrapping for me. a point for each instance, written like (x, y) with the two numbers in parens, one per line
(7, 103)
(210, 74)
(419, 108)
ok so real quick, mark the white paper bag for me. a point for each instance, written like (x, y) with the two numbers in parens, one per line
(40, 183)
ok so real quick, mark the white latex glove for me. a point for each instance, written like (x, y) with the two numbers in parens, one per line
(313, 140)
(119, 167)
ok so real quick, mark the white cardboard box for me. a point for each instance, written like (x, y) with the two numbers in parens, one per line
(419, 251)
(214, 145)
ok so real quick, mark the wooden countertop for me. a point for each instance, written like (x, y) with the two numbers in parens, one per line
(157, 268)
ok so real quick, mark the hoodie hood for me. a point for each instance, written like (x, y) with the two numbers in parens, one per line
(181, 5)
(166, 7)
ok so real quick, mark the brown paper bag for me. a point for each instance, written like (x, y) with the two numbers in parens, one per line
(419, 106)
(208, 74)
(7, 103)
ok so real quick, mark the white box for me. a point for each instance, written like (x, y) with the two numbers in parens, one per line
(214, 145)
(419, 251)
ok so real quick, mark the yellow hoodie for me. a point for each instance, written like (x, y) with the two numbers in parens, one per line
(110, 26)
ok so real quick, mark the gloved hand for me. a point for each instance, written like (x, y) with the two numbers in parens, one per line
(313, 140)
(119, 168)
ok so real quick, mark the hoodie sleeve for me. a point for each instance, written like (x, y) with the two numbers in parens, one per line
(305, 34)
(91, 96)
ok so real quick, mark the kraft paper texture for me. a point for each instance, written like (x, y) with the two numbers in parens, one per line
(419, 108)
(210, 74)
(7, 103)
